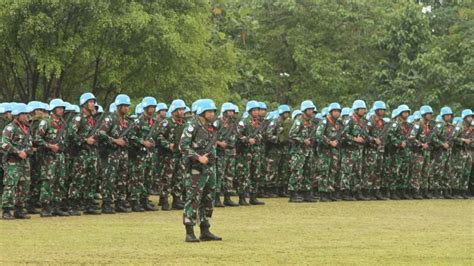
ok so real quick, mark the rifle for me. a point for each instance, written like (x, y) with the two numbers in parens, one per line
(62, 134)
(212, 142)
(130, 127)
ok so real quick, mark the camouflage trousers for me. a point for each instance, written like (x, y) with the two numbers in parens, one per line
(374, 159)
(53, 173)
(399, 167)
(157, 170)
(136, 182)
(462, 164)
(225, 169)
(301, 170)
(200, 194)
(329, 169)
(16, 183)
(35, 182)
(442, 169)
(352, 177)
(172, 176)
(149, 173)
(247, 169)
(84, 172)
(420, 169)
(114, 179)
(276, 169)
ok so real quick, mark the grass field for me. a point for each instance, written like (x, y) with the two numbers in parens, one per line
(389, 232)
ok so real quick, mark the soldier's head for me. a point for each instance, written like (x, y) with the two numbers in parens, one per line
(57, 107)
(20, 112)
(207, 110)
(178, 108)
(262, 109)
(122, 103)
(379, 108)
(446, 113)
(228, 109)
(426, 112)
(284, 111)
(149, 105)
(359, 107)
(87, 101)
(334, 110)
(308, 108)
(161, 109)
(466, 115)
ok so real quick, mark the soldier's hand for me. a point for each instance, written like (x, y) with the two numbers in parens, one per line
(445, 146)
(171, 146)
(425, 146)
(90, 140)
(53, 147)
(359, 139)
(333, 143)
(403, 144)
(148, 144)
(467, 141)
(377, 141)
(22, 154)
(222, 144)
(252, 141)
(120, 142)
(203, 159)
(307, 142)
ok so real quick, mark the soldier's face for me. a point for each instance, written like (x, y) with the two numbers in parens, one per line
(285, 115)
(361, 111)
(22, 118)
(262, 112)
(428, 117)
(90, 105)
(447, 118)
(335, 114)
(123, 109)
(162, 113)
(150, 110)
(468, 119)
(255, 112)
(209, 115)
(380, 112)
(59, 111)
(309, 112)
(179, 113)
(229, 113)
(8, 115)
(405, 115)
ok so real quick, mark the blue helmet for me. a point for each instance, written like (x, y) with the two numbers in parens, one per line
(465, 113)
(426, 109)
(295, 113)
(139, 109)
(112, 108)
(149, 101)
(21, 108)
(194, 105)
(227, 107)
(308, 104)
(177, 104)
(346, 111)
(283, 109)
(359, 104)
(324, 111)
(76, 108)
(236, 109)
(69, 107)
(55, 103)
(100, 109)
(379, 105)
(386, 119)
(457, 120)
(35, 105)
(262, 105)
(319, 116)
(334, 106)
(2, 108)
(86, 97)
(122, 99)
(410, 119)
(446, 111)
(252, 105)
(161, 106)
(417, 115)
(245, 115)
(403, 108)
(271, 115)
(206, 105)
(370, 114)
(439, 118)
(187, 110)
(395, 113)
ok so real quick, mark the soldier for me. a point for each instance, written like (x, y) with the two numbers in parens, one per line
(16, 143)
(198, 145)
(462, 155)
(277, 158)
(354, 138)
(249, 154)
(376, 134)
(399, 154)
(141, 145)
(157, 156)
(441, 139)
(5, 119)
(421, 154)
(329, 135)
(112, 134)
(84, 128)
(169, 133)
(49, 138)
(301, 137)
(226, 127)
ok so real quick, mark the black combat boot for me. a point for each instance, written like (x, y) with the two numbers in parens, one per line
(120, 207)
(336, 195)
(308, 197)
(46, 210)
(282, 192)
(107, 208)
(465, 194)
(7, 215)
(346, 195)
(31, 208)
(403, 194)
(228, 201)
(427, 194)
(359, 196)
(295, 198)
(217, 201)
(190, 236)
(416, 194)
(91, 208)
(447, 194)
(324, 197)
(147, 205)
(177, 203)
(74, 209)
(20, 214)
(242, 200)
(394, 195)
(136, 206)
(378, 195)
(254, 200)
(165, 206)
(57, 211)
(206, 235)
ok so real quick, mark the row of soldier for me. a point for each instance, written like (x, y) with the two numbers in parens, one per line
(77, 152)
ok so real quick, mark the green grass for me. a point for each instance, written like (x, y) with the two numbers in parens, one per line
(389, 232)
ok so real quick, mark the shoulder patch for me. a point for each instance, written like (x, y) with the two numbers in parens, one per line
(190, 128)
(107, 119)
(9, 128)
(369, 123)
(241, 123)
(438, 125)
(215, 124)
(42, 123)
(417, 126)
(458, 128)
(78, 118)
(272, 123)
(297, 122)
(165, 123)
(394, 125)
(325, 121)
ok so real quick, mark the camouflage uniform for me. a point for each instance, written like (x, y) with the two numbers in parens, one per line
(35, 164)
(462, 158)
(53, 171)
(301, 155)
(115, 168)
(374, 155)
(226, 127)
(399, 157)
(16, 179)
(442, 158)
(201, 186)
(352, 160)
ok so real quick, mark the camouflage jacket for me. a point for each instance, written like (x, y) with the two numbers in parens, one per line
(327, 131)
(300, 130)
(420, 134)
(169, 132)
(16, 138)
(113, 127)
(50, 131)
(249, 128)
(397, 133)
(356, 126)
(463, 131)
(278, 131)
(196, 138)
(227, 130)
(442, 133)
(376, 129)
(82, 127)
(144, 128)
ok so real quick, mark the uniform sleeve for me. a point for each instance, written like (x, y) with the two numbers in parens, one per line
(185, 143)
(41, 131)
(347, 136)
(242, 133)
(105, 128)
(271, 131)
(394, 136)
(162, 139)
(295, 132)
(78, 137)
(436, 137)
(7, 140)
(320, 135)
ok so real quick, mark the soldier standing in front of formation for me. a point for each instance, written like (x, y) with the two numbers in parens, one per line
(462, 155)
